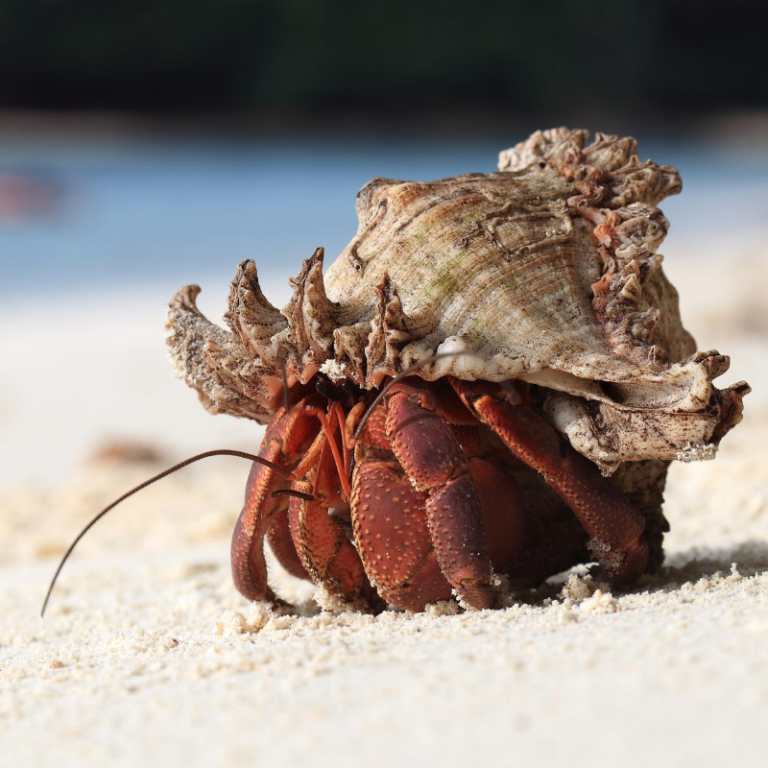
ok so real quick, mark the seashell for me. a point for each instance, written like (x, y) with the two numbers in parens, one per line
(546, 271)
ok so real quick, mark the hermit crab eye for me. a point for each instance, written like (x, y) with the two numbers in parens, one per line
(323, 388)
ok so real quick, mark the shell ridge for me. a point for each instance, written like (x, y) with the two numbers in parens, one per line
(389, 332)
(627, 240)
(311, 315)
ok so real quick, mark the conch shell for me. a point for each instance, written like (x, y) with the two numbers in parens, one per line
(546, 271)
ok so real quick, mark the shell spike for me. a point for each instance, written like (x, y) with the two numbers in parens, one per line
(311, 316)
(251, 316)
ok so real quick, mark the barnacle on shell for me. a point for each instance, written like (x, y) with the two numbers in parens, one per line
(545, 271)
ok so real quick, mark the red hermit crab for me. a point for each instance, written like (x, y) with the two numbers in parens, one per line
(492, 378)
(536, 382)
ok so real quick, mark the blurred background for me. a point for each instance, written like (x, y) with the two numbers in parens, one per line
(147, 145)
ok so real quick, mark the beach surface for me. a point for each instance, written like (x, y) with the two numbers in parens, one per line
(148, 655)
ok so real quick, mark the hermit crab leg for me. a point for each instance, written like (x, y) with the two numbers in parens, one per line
(329, 422)
(504, 512)
(282, 546)
(608, 517)
(325, 552)
(433, 459)
(286, 435)
(392, 536)
(249, 568)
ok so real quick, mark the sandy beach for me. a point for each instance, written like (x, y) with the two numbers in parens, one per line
(488, 183)
(149, 656)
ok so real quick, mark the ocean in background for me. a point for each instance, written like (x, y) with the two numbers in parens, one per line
(97, 236)
(123, 214)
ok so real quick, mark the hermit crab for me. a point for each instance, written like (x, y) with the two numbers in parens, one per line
(491, 379)
(536, 382)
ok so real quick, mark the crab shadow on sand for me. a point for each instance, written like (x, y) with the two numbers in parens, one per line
(748, 558)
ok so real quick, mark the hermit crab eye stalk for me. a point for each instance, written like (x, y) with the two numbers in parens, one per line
(175, 468)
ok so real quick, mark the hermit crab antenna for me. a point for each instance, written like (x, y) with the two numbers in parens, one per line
(221, 452)
(296, 494)
(391, 383)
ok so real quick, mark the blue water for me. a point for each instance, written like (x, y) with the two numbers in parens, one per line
(163, 211)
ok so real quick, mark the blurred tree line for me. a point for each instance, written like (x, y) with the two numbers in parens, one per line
(396, 57)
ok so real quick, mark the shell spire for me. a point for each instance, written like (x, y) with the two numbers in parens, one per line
(618, 197)
(606, 172)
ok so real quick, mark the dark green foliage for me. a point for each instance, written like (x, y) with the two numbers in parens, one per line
(403, 55)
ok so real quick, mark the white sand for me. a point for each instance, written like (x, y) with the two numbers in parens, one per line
(148, 656)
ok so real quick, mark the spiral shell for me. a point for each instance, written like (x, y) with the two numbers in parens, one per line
(545, 271)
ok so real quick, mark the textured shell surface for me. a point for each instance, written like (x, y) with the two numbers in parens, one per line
(546, 271)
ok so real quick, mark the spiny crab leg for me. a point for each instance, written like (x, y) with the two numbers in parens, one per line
(393, 538)
(304, 538)
(283, 442)
(323, 547)
(434, 461)
(346, 449)
(249, 568)
(605, 513)
(329, 422)
(281, 544)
